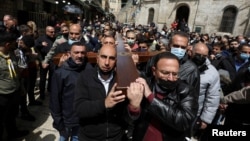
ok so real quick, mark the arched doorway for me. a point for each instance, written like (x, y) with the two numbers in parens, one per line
(228, 20)
(182, 13)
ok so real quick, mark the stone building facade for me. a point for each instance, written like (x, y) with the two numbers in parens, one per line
(204, 16)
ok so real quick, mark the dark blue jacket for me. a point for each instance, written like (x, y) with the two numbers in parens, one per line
(62, 94)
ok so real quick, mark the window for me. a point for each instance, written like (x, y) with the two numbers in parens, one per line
(228, 20)
(151, 13)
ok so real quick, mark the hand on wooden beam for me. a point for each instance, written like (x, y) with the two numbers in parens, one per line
(114, 97)
(135, 94)
(147, 90)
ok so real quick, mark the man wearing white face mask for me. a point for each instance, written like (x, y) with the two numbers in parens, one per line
(75, 35)
(130, 40)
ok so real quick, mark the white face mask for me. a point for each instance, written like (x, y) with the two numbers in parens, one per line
(130, 41)
(70, 41)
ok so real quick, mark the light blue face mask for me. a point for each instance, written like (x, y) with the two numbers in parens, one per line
(179, 52)
(130, 42)
(244, 56)
(70, 41)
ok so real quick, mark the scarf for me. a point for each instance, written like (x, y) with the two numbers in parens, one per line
(10, 65)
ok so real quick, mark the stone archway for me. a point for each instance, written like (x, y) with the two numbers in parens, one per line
(182, 13)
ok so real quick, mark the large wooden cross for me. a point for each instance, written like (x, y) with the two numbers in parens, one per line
(125, 68)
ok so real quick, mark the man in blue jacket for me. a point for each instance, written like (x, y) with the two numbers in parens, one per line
(62, 94)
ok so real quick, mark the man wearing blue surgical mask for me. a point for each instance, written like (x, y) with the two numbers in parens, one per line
(75, 35)
(236, 113)
(241, 63)
(130, 41)
(188, 70)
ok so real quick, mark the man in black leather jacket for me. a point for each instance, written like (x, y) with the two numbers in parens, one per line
(169, 106)
(188, 70)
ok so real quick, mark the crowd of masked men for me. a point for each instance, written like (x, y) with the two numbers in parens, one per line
(194, 82)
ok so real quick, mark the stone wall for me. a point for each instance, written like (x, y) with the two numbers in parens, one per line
(203, 14)
(8, 7)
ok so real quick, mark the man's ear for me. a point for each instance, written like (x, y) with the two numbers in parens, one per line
(153, 70)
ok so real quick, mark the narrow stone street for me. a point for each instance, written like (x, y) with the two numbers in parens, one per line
(41, 129)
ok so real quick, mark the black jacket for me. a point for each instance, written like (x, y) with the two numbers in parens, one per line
(188, 72)
(43, 50)
(175, 113)
(98, 123)
(62, 94)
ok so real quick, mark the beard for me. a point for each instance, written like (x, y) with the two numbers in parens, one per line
(105, 72)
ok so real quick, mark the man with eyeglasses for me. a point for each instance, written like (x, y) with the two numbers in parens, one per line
(169, 105)
(209, 95)
(43, 44)
(188, 70)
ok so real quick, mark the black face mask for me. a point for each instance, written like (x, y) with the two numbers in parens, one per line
(65, 35)
(202, 68)
(150, 41)
(157, 47)
(232, 49)
(199, 59)
(166, 85)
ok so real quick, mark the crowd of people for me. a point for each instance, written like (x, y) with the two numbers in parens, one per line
(193, 82)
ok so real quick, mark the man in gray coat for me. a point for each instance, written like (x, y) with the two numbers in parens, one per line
(209, 96)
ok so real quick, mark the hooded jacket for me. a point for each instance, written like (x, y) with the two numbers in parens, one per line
(62, 94)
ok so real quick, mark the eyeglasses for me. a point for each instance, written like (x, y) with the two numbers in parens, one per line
(51, 31)
(178, 46)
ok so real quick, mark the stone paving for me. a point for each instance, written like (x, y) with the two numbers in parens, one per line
(41, 129)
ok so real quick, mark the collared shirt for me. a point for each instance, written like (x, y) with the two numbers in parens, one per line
(105, 82)
(239, 64)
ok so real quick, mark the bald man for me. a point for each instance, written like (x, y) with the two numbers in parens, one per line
(101, 108)
(43, 44)
(75, 35)
(209, 96)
